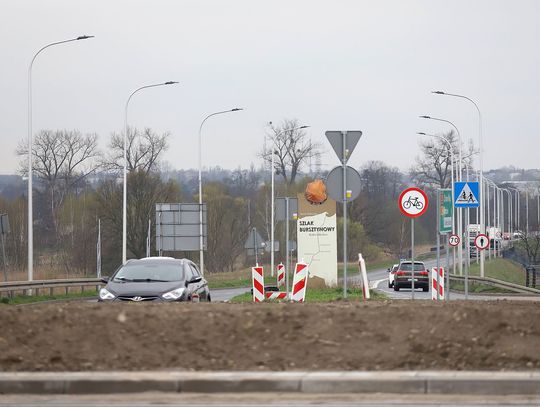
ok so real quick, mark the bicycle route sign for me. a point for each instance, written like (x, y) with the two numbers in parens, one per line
(413, 202)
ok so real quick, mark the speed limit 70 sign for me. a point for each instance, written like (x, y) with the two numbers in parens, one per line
(453, 240)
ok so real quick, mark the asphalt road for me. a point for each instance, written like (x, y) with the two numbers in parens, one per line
(378, 279)
(225, 294)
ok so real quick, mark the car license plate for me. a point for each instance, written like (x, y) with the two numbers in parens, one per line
(410, 279)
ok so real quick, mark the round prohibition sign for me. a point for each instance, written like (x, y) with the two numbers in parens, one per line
(481, 241)
(453, 240)
(413, 202)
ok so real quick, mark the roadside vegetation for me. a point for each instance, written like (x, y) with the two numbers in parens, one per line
(325, 295)
(500, 269)
(28, 299)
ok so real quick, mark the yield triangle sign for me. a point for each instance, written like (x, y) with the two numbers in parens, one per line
(254, 240)
(466, 195)
(336, 141)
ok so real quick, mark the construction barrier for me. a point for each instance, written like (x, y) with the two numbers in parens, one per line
(280, 275)
(437, 285)
(257, 276)
(363, 274)
(275, 295)
(300, 282)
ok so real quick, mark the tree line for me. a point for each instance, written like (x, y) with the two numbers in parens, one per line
(77, 185)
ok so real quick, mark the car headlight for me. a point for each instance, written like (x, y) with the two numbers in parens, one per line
(174, 294)
(105, 294)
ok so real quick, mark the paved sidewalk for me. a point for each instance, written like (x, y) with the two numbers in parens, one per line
(407, 382)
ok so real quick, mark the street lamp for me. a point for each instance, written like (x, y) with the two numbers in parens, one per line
(517, 213)
(201, 240)
(460, 213)
(451, 152)
(124, 204)
(30, 147)
(272, 203)
(481, 162)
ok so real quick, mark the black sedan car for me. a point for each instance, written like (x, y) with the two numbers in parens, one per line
(405, 275)
(156, 279)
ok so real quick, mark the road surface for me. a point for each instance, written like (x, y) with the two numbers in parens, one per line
(225, 294)
(378, 279)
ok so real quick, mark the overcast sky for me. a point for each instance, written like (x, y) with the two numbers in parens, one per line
(335, 65)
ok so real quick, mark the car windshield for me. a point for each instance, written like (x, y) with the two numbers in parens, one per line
(150, 272)
(408, 266)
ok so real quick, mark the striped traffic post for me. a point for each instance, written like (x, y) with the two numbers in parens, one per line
(257, 276)
(300, 282)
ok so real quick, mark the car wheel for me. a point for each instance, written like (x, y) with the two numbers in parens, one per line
(208, 298)
(389, 285)
(396, 287)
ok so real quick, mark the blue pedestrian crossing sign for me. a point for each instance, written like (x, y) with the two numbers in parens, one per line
(466, 195)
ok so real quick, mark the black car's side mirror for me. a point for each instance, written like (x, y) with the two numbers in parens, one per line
(105, 280)
(194, 280)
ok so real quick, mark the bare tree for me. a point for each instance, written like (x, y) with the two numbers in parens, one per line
(143, 150)
(291, 147)
(61, 160)
(530, 244)
(432, 169)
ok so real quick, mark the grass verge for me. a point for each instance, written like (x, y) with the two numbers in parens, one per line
(501, 269)
(325, 295)
(28, 299)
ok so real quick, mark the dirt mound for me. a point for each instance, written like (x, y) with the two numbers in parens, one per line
(336, 336)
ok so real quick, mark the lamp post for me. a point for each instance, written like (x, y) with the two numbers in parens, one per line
(30, 148)
(460, 213)
(201, 239)
(272, 203)
(516, 211)
(481, 162)
(124, 204)
(451, 152)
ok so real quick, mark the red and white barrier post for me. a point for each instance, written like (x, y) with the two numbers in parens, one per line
(300, 282)
(280, 275)
(437, 285)
(363, 273)
(276, 295)
(257, 277)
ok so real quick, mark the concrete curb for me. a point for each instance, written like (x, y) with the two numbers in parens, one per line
(411, 382)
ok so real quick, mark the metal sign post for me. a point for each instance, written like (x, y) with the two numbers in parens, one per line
(344, 214)
(343, 143)
(98, 251)
(287, 246)
(412, 258)
(4, 230)
(438, 232)
(413, 203)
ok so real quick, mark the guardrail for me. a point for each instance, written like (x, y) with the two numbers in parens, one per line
(35, 286)
(493, 282)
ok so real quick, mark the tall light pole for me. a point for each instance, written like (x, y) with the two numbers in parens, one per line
(451, 152)
(460, 213)
(124, 204)
(30, 148)
(272, 201)
(517, 210)
(481, 162)
(201, 239)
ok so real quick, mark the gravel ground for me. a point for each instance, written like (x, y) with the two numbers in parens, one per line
(379, 335)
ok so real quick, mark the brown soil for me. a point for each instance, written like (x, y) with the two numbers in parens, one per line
(336, 336)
